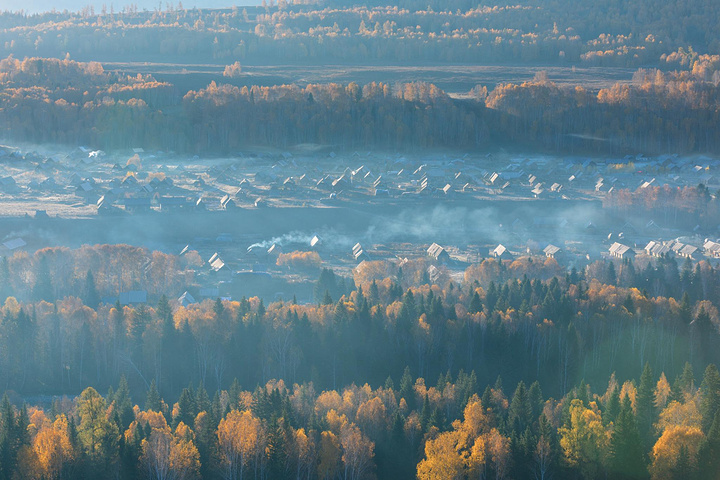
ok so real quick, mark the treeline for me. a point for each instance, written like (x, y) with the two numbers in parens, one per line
(526, 319)
(632, 430)
(61, 101)
(340, 31)
(684, 207)
(92, 272)
(659, 113)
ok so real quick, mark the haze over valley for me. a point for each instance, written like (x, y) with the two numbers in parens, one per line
(344, 239)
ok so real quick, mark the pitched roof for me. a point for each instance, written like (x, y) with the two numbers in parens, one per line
(133, 296)
(551, 250)
(619, 249)
(186, 299)
(500, 250)
(14, 243)
(436, 250)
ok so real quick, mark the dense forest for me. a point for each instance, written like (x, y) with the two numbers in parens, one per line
(599, 367)
(66, 102)
(562, 32)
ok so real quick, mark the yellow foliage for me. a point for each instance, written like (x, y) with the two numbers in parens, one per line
(667, 448)
(584, 441)
(52, 447)
(297, 259)
(445, 458)
(678, 414)
(241, 440)
(662, 392)
(330, 456)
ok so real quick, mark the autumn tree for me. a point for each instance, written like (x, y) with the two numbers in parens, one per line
(98, 435)
(584, 440)
(241, 443)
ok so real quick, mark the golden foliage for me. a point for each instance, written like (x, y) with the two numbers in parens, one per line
(667, 448)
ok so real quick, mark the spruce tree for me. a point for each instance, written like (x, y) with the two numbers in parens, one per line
(626, 452)
(406, 389)
(644, 405)
(152, 400)
(709, 452)
(520, 411)
(92, 297)
(123, 404)
(709, 396)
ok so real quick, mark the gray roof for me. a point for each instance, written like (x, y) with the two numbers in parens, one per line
(500, 250)
(14, 243)
(618, 249)
(133, 296)
(436, 251)
(186, 299)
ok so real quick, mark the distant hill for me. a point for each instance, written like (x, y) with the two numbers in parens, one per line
(37, 6)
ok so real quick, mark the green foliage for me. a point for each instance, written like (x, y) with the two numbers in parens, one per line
(626, 453)
(709, 396)
(98, 436)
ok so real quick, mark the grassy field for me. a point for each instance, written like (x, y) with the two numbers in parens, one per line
(454, 79)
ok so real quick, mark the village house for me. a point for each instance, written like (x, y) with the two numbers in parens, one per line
(438, 253)
(227, 203)
(133, 297)
(618, 250)
(501, 252)
(359, 254)
(186, 299)
(658, 249)
(137, 204)
(711, 249)
(551, 251)
(688, 251)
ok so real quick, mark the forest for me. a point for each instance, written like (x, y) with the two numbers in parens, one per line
(406, 363)
(540, 371)
(561, 32)
(74, 103)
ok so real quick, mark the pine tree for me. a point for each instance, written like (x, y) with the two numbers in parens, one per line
(202, 399)
(92, 297)
(613, 406)
(536, 400)
(152, 400)
(43, 288)
(685, 309)
(425, 413)
(709, 396)
(218, 309)
(389, 385)
(687, 381)
(520, 411)
(626, 452)
(475, 304)
(123, 404)
(8, 439)
(163, 310)
(234, 395)
(683, 467)
(709, 452)
(644, 405)
(406, 389)
(186, 408)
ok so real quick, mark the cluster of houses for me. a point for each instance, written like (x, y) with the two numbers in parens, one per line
(139, 181)
(672, 248)
(710, 249)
